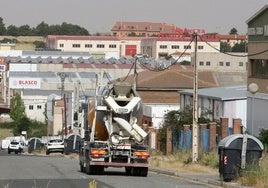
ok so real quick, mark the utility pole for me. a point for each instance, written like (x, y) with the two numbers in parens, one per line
(195, 105)
(62, 76)
(135, 73)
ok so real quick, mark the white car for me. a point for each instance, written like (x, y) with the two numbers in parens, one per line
(15, 146)
(55, 145)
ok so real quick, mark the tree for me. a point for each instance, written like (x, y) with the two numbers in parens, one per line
(42, 29)
(175, 120)
(263, 136)
(240, 47)
(22, 125)
(2, 27)
(225, 47)
(233, 31)
(39, 44)
(25, 30)
(12, 30)
(17, 111)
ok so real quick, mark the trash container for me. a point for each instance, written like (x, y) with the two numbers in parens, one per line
(34, 144)
(72, 143)
(236, 152)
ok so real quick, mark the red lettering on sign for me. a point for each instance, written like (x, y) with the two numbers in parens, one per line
(27, 82)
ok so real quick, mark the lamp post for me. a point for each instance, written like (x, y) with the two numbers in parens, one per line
(253, 88)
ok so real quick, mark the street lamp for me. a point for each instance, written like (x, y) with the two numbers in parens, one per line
(253, 88)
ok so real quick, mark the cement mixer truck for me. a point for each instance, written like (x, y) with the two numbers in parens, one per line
(115, 135)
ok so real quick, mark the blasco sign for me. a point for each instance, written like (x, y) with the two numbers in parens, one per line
(26, 83)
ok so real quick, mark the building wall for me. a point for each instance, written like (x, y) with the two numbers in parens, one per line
(125, 42)
(257, 113)
(151, 46)
(35, 107)
(157, 112)
(229, 109)
(162, 47)
(258, 71)
(105, 46)
(221, 62)
(57, 121)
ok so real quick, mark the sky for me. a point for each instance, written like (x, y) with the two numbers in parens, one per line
(100, 15)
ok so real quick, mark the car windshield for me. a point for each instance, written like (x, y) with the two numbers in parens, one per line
(14, 143)
(55, 141)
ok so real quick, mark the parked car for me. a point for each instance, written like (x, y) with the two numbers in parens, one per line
(15, 146)
(55, 145)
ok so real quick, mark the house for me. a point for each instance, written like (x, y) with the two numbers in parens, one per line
(142, 29)
(229, 102)
(232, 39)
(258, 70)
(159, 91)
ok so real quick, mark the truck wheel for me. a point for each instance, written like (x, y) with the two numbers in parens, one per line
(82, 169)
(139, 171)
(128, 171)
(144, 171)
(88, 169)
(134, 171)
(99, 170)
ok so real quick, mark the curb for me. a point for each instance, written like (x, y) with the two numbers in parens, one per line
(195, 178)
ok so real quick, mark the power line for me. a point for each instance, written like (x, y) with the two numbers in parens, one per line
(163, 69)
(231, 54)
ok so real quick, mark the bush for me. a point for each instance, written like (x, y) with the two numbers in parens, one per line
(209, 159)
(263, 136)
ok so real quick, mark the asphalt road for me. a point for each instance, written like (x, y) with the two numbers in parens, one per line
(57, 170)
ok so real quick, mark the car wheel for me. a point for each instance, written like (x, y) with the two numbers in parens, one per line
(47, 152)
(9, 152)
(16, 152)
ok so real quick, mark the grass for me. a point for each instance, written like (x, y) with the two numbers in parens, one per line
(256, 176)
(208, 163)
(182, 160)
(5, 133)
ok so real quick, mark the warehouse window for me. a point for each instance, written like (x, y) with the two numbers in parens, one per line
(100, 46)
(163, 46)
(187, 47)
(221, 63)
(76, 45)
(200, 47)
(39, 107)
(112, 45)
(61, 45)
(175, 47)
(88, 45)
(31, 107)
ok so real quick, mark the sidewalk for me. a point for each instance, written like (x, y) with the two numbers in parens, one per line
(204, 178)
